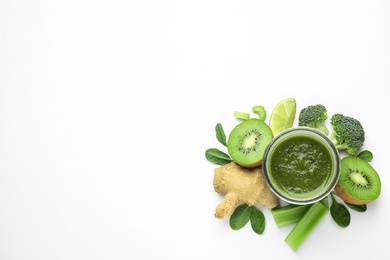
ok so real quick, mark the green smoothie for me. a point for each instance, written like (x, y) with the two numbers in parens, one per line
(300, 165)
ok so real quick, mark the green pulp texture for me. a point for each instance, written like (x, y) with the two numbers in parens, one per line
(300, 165)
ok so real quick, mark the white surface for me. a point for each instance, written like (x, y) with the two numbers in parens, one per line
(107, 107)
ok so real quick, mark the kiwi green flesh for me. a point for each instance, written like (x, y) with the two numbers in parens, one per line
(247, 142)
(359, 180)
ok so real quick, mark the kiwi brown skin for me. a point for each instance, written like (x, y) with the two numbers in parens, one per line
(348, 198)
(251, 165)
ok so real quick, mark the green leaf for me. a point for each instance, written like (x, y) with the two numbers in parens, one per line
(366, 155)
(358, 208)
(220, 134)
(216, 156)
(240, 216)
(257, 220)
(340, 213)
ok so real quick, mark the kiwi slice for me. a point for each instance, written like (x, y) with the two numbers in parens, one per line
(359, 183)
(247, 142)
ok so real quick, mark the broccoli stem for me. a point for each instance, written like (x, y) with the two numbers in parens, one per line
(322, 127)
(339, 146)
(306, 224)
(288, 214)
(342, 146)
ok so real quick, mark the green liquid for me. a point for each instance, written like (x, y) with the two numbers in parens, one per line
(300, 165)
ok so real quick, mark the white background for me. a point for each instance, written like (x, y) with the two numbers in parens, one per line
(107, 108)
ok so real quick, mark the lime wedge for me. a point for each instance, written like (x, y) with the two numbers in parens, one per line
(283, 115)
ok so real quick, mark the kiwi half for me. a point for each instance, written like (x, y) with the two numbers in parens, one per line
(359, 183)
(247, 142)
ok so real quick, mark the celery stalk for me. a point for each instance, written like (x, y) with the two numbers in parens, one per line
(306, 224)
(289, 214)
(292, 213)
(325, 201)
(242, 115)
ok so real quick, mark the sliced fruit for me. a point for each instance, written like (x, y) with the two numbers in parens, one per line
(359, 183)
(283, 115)
(247, 142)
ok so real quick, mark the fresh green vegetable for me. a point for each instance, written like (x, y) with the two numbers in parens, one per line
(325, 202)
(243, 213)
(216, 156)
(240, 216)
(339, 213)
(314, 116)
(257, 220)
(260, 111)
(358, 208)
(366, 155)
(220, 133)
(348, 133)
(306, 224)
(241, 115)
(292, 213)
(288, 214)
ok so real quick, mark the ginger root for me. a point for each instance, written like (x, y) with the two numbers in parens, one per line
(241, 185)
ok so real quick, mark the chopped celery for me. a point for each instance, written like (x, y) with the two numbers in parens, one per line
(325, 201)
(306, 224)
(241, 115)
(289, 214)
(260, 111)
(292, 213)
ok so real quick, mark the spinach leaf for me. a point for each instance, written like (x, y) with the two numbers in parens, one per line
(365, 155)
(257, 220)
(240, 216)
(340, 213)
(216, 156)
(220, 134)
(358, 208)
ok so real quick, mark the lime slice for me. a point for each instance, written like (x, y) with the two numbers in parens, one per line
(283, 115)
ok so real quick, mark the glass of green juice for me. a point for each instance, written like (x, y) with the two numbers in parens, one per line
(301, 165)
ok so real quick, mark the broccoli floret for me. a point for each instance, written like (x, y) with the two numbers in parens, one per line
(314, 116)
(348, 133)
(260, 110)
